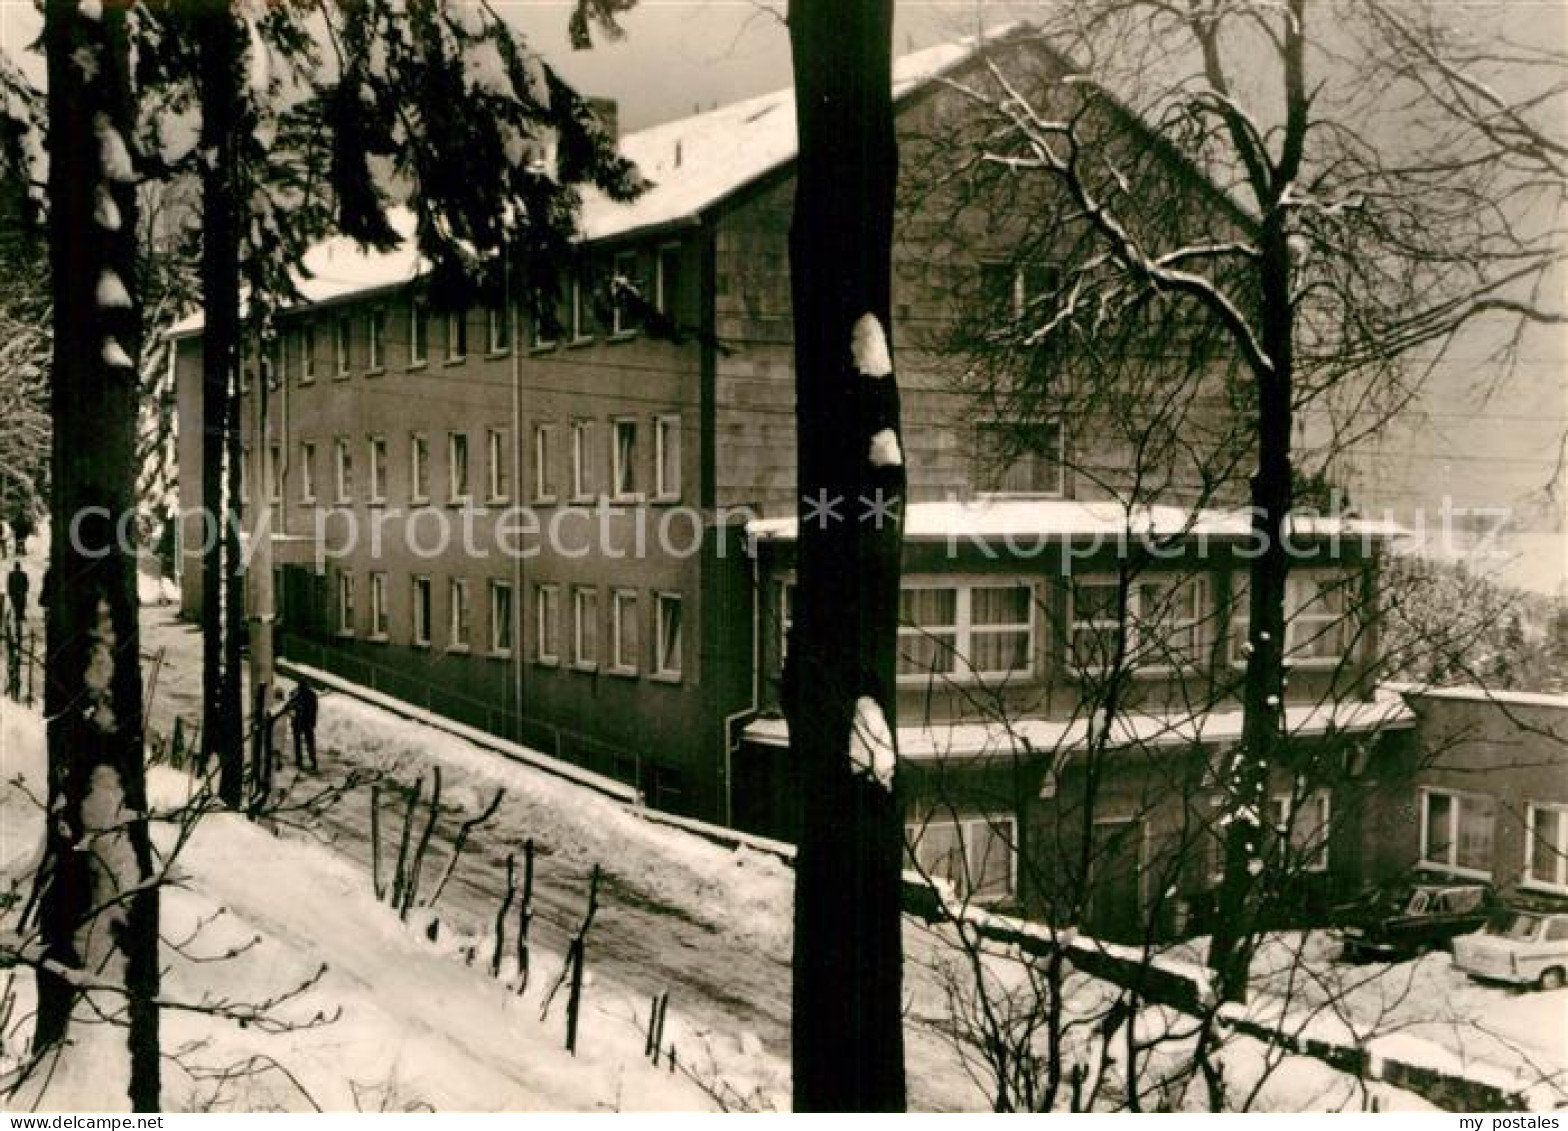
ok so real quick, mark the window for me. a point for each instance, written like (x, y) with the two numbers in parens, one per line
(378, 606)
(1009, 289)
(345, 471)
(456, 335)
(1164, 623)
(976, 854)
(623, 459)
(499, 464)
(1021, 459)
(965, 631)
(345, 604)
(498, 329)
(378, 469)
(667, 639)
(1546, 846)
(419, 467)
(547, 624)
(342, 344)
(418, 332)
(582, 459)
(544, 463)
(458, 617)
(500, 618)
(1306, 830)
(667, 279)
(1319, 618)
(623, 630)
(422, 612)
(543, 332)
(275, 472)
(667, 457)
(625, 290)
(307, 472)
(457, 467)
(375, 339)
(1456, 831)
(585, 628)
(581, 288)
(307, 353)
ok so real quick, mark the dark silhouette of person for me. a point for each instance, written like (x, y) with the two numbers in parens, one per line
(306, 705)
(16, 587)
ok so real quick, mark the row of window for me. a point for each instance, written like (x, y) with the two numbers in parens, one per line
(635, 283)
(1458, 834)
(620, 651)
(625, 464)
(964, 632)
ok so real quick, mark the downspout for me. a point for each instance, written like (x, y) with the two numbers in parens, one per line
(518, 595)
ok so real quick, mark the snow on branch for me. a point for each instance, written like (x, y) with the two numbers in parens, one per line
(871, 743)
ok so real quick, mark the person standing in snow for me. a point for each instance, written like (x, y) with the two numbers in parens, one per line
(16, 587)
(306, 706)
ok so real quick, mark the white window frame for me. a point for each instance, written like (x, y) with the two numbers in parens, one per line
(965, 825)
(666, 427)
(307, 353)
(423, 611)
(378, 606)
(378, 469)
(1281, 804)
(1299, 625)
(343, 469)
(375, 339)
(418, 333)
(547, 624)
(498, 645)
(545, 490)
(307, 471)
(623, 604)
(456, 335)
(582, 455)
(1457, 799)
(458, 492)
(964, 630)
(585, 627)
(1527, 879)
(342, 346)
(619, 313)
(1059, 491)
(498, 467)
(274, 458)
(663, 299)
(345, 603)
(1135, 626)
(459, 615)
(498, 330)
(618, 469)
(578, 312)
(418, 467)
(661, 670)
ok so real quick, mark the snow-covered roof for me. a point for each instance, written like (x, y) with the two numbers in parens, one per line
(691, 164)
(1485, 695)
(1069, 519)
(934, 741)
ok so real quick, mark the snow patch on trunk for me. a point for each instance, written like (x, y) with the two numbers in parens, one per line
(871, 743)
(113, 154)
(868, 347)
(115, 356)
(112, 294)
(885, 451)
(106, 213)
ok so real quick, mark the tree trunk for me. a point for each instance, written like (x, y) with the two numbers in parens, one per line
(99, 911)
(222, 590)
(839, 689)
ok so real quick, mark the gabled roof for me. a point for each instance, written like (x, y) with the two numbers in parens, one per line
(692, 165)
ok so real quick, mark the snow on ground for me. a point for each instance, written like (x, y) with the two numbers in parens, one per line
(409, 1023)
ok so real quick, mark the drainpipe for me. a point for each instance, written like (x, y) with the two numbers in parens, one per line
(518, 594)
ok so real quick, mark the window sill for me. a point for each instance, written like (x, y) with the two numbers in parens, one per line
(420, 500)
(375, 370)
(500, 653)
(458, 360)
(496, 355)
(415, 366)
(341, 376)
(1454, 870)
(345, 634)
(1057, 494)
(424, 644)
(460, 501)
(661, 497)
(309, 501)
(1543, 887)
(547, 661)
(498, 501)
(459, 649)
(307, 381)
(381, 502)
(623, 335)
(585, 667)
(965, 679)
(622, 673)
(579, 342)
(1325, 664)
(584, 500)
(544, 500)
(343, 502)
(378, 638)
(634, 497)
(671, 678)
(542, 347)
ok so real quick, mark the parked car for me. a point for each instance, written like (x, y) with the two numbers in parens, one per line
(1406, 919)
(1522, 946)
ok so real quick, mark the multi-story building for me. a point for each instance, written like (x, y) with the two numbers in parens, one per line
(583, 540)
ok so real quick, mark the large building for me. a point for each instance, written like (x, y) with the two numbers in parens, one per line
(583, 540)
